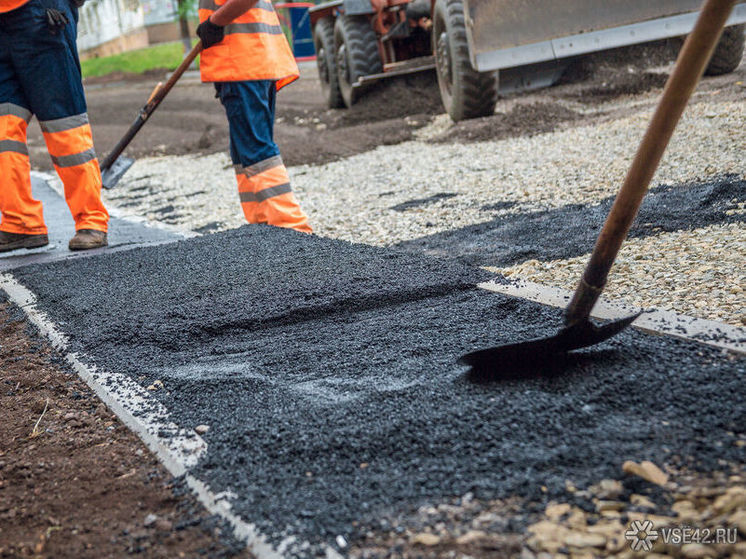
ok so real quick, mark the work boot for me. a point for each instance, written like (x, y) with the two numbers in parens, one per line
(85, 239)
(12, 241)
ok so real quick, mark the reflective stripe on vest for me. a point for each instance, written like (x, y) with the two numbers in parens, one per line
(8, 5)
(254, 48)
(211, 5)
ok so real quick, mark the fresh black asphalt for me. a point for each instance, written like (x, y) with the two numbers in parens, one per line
(571, 230)
(327, 374)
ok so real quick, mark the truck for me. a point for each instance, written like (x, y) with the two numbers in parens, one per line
(480, 48)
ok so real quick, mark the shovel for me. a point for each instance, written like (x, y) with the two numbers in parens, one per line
(579, 331)
(114, 166)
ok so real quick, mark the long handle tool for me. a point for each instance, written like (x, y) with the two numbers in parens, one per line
(114, 166)
(523, 357)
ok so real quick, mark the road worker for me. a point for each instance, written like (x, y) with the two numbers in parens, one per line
(40, 75)
(249, 59)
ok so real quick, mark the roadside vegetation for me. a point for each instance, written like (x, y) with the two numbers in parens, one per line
(165, 56)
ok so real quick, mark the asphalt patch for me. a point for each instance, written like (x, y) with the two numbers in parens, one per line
(419, 202)
(327, 374)
(571, 230)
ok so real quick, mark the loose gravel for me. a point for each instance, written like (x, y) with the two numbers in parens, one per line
(354, 199)
(327, 376)
(400, 193)
(706, 280)
(586, 522)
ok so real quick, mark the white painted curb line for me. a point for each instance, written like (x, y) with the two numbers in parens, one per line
(708, 332)
(179, 450)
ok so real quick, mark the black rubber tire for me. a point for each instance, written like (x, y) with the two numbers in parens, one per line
(728, 52)
(323, 40)
(356, 54)
(465, 92)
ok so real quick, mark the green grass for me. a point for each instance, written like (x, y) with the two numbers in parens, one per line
(165, 55)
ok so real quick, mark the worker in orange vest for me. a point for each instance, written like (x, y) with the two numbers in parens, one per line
(40, 74)
(247, 56)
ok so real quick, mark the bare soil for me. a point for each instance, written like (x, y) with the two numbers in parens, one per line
(74, 481)
(191, 120)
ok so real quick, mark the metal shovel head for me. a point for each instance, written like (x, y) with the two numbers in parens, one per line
(111, 175)
(524, 358)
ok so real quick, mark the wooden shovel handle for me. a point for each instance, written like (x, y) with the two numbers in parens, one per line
(160, 92)
(689, 67)
(155, 90)
(152, 103)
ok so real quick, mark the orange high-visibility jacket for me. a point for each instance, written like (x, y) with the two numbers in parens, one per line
(7, 5)
(254, 47)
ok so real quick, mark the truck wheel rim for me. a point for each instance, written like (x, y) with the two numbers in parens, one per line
(344, 71)
(444, 59)
(322, 65)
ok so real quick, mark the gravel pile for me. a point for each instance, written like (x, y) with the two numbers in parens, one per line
(699, 273)
(402, 192)
(597, 521)
(353, 199)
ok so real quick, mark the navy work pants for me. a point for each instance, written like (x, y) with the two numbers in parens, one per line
(263, 182)
(40, 75)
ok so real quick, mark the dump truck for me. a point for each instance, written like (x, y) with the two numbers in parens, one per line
(480, 48)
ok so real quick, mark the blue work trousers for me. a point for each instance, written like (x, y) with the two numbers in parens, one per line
(40, 70)
(263, 183)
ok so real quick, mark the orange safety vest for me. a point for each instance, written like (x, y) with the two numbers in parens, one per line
(254, 47)
(8, 5)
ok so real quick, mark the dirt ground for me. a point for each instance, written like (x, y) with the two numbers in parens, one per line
(74, 481)
(191, 120)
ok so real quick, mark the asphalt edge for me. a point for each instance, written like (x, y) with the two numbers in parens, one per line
(56, 184)
(654, 321)
(214, 503)
(243, 531)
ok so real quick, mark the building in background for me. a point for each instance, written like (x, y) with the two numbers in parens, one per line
(112, 26)
(162, 21)
(108, 27)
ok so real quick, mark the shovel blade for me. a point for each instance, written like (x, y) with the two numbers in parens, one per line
(524, 358)
(111, 175)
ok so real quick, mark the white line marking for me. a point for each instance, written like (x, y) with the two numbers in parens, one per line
(668, 323)
(177, 449)
(130, 401)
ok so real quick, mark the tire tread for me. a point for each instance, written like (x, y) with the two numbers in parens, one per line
(477, 95)
(728, 52)
(324, 28)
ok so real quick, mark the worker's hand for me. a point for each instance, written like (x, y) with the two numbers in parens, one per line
(210, 33)
(56, 20)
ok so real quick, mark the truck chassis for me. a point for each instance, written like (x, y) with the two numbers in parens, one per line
(481, 47)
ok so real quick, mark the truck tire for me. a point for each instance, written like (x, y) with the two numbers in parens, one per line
(728, 52)
(465, 92)
(356, 54)
(323, 41)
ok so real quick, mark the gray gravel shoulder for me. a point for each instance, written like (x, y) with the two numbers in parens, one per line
(414, 190)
